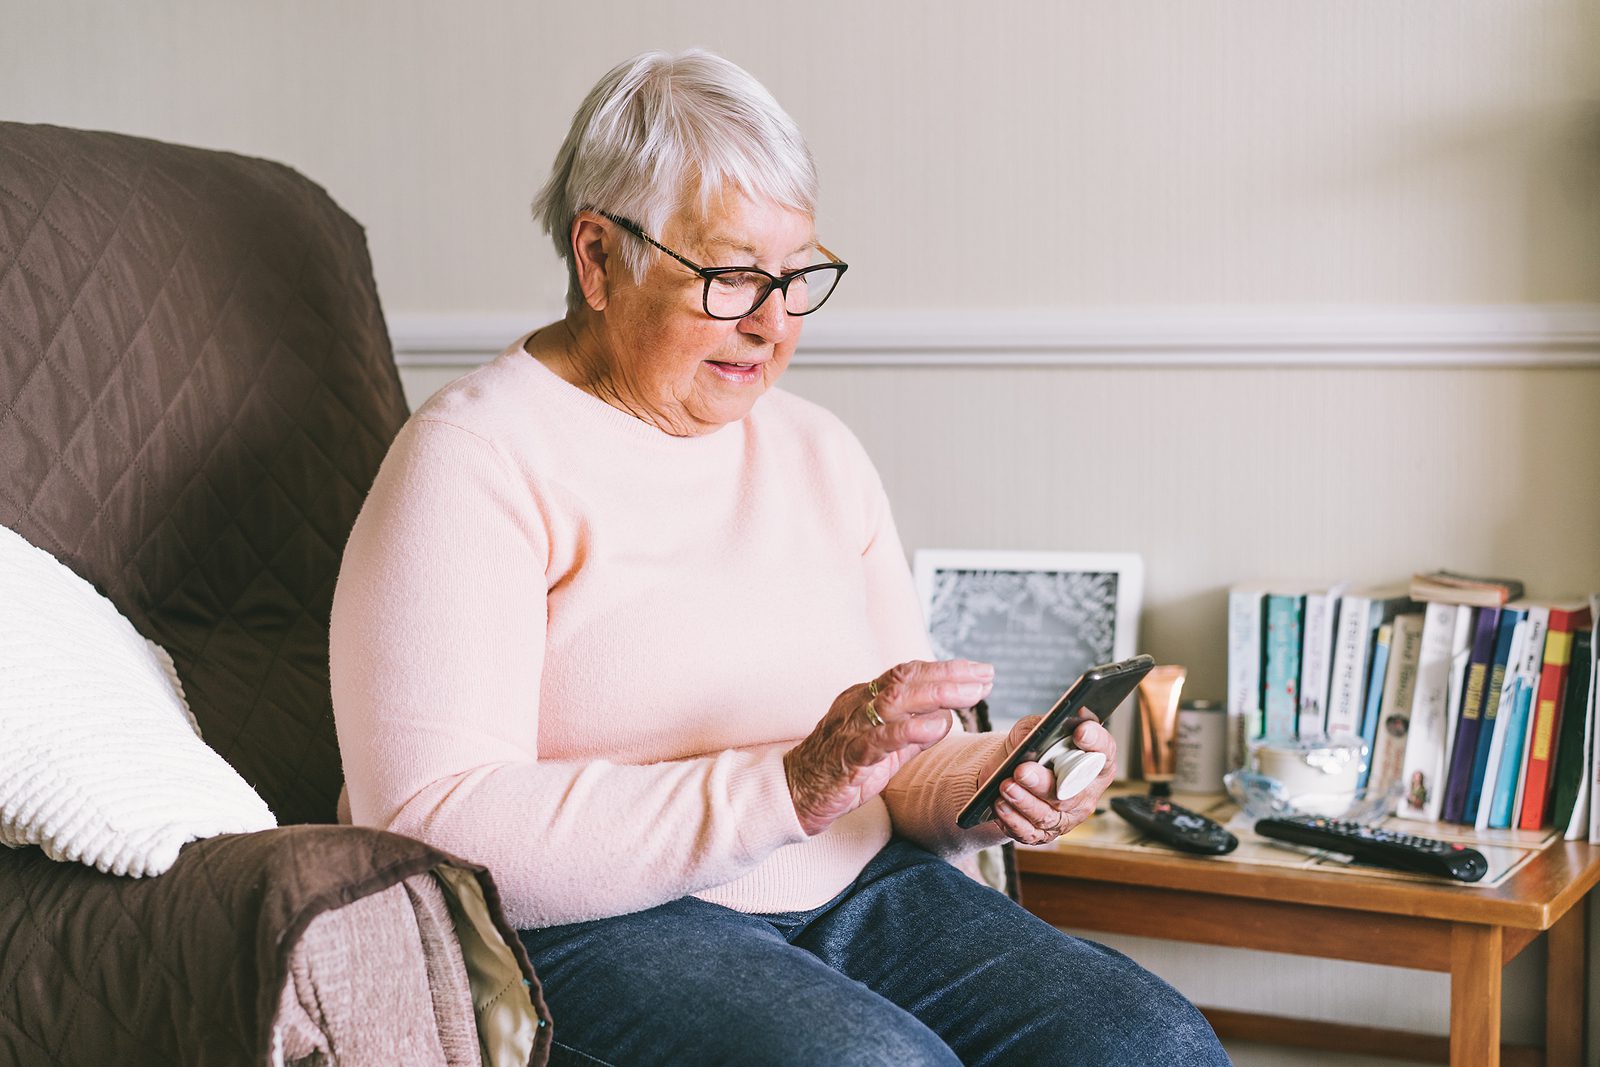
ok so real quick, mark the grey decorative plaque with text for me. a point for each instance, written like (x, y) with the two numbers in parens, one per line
(1040, 618)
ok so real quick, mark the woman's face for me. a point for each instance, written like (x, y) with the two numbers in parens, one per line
(682, 370)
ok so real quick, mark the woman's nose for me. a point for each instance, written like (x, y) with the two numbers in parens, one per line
(769, 320)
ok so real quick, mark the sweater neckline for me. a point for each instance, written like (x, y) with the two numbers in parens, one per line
(587, 405)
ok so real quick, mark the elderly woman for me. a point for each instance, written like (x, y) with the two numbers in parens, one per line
(634, 629)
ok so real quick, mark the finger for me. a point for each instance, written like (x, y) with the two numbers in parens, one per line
(919, 688)
(1092, 737)
(921, 697)
(1020, 732)
(874, 743)
(1083, 805)
(1031, 806)
(918, 671)
(1036, 778)
(1018, 827)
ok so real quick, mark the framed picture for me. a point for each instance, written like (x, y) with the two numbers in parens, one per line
(1042, 619)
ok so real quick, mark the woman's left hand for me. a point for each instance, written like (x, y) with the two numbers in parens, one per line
(1028, 810)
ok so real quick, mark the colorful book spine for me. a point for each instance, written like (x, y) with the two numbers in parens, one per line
(1350, 652)
(1316, 659)
(1588, 811)
(1360, 615)
(1507, 648)
(1394, 709)
(1460, 659)
(1590, 797)
(1280, 702)
(1496, 731)
(1425, 751)
(1547, 713)
(1246, 634)
(1571, 755)
(1376, 678)
(1516, 705)
(1465, 750)
(1507, 786)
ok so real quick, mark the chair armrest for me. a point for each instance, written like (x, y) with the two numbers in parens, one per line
(189, 967)
(419, 1013)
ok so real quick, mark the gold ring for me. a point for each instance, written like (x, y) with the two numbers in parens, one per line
(872, 714)
(872, 689)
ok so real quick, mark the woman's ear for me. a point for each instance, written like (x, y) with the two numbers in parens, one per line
(590, 258)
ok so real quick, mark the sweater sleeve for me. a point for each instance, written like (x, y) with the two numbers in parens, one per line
(436, 654)
(926, 794)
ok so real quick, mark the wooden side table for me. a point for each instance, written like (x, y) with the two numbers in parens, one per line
(1468, 933)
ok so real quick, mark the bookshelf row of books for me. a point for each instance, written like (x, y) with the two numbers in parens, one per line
(1477, 705)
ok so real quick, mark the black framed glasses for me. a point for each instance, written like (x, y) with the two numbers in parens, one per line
(734, 292)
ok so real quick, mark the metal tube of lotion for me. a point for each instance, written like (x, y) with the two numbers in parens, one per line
(1159, 693)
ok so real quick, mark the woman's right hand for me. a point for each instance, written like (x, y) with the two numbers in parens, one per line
(872, 730)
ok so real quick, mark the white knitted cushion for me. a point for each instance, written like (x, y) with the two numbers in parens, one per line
(100, 760)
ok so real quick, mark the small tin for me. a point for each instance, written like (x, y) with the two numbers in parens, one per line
(1201, 747)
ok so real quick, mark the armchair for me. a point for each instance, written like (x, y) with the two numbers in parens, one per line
(196, 389)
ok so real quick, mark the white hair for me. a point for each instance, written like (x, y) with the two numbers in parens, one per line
(658, 132)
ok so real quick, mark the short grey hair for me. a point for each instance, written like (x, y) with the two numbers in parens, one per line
(661, 130)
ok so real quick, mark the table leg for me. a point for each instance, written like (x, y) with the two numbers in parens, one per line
(1565, 988)
(1475, 957)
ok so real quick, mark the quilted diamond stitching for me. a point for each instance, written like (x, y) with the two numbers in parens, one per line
(84, 993)
(296, 459)
(214, 454)
(74, 313)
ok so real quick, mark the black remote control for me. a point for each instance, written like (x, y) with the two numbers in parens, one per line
(1181, 828)
(1380, 848)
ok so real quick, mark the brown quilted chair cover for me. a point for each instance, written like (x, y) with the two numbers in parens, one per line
(197, 391)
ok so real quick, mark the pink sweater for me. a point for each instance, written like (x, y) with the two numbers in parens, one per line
(574, 649)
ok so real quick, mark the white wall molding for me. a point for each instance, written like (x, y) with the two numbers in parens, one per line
(1520, 336)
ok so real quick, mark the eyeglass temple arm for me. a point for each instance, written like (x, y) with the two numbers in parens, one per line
(634, 229)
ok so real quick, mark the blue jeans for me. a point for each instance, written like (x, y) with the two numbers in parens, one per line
(913, 964)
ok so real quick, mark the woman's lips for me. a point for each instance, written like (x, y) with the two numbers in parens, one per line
(739, 373)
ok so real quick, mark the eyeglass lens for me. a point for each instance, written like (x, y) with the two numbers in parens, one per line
(735, 294)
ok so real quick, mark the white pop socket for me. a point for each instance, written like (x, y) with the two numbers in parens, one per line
(1074, 768)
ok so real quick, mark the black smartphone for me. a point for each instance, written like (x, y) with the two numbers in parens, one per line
(1092, 698)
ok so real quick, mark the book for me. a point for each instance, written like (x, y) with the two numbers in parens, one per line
(1460, 660)
(1571, 756)
(1360, 614)
(1453, 588)
(1527, 693)
(1429, 733)
(1516, 702)
(1564, 619)
(1316, 658)
(1246, 637)
(1394, 708)
(1280, 702)
(1376, 676)
(1465, 750)
(1491, 734)
(1589, 795)
(1508, 785)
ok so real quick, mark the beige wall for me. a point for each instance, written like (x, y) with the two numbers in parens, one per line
(1139, 152)
(1249, 154)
